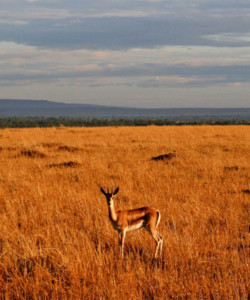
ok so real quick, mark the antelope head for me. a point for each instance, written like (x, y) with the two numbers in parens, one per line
(110, 195)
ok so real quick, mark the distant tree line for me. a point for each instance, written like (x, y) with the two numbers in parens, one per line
(29, 122)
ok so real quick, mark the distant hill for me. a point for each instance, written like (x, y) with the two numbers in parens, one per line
(44, 108)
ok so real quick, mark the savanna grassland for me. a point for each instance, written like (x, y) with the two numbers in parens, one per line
(56, 241)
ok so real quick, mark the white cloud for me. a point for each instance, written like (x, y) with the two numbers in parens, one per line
(229, 37)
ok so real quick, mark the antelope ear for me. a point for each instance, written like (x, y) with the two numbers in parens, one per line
(102, 190)
(116, 191)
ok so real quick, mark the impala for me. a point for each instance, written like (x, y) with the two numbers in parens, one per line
(127, 220)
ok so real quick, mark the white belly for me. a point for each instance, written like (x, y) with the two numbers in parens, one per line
(136, 226)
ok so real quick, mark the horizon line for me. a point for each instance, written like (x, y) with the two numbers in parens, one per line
(122, 107)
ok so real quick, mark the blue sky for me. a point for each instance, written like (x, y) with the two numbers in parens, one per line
(142, 53)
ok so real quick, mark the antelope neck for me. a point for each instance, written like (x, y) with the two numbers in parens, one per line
(112, 212)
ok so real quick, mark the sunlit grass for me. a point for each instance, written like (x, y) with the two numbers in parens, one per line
(56, 240)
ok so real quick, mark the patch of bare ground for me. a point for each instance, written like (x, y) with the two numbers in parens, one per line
(246, 191)
(31, 154)
(232, 168)
(164, 157)
(69, 164)
(60, 147)
(68, 148)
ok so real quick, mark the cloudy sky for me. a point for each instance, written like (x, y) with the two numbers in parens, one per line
(142, 53)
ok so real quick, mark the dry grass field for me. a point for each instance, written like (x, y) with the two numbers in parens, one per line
(56, 241)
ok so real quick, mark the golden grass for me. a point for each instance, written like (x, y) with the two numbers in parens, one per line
(56, 240)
